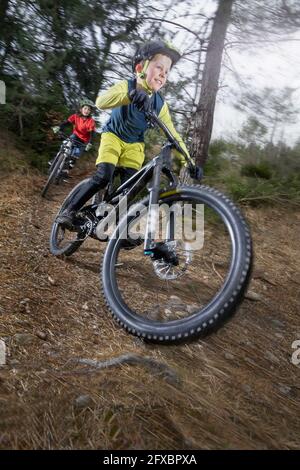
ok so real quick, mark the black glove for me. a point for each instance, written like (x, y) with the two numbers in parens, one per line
(196, 172)
(140, 99)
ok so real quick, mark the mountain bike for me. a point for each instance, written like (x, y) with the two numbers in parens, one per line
(159, 282)
(60, 162)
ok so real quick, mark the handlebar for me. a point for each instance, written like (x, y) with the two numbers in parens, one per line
(67, 137)
(153, 118)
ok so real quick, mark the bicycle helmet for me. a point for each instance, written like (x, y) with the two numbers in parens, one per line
(148, 50)
(86, 102)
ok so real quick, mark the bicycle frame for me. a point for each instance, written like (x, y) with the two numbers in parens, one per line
(153, 168)
(150, 172)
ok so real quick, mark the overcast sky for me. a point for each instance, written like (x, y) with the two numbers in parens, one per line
(275, 66)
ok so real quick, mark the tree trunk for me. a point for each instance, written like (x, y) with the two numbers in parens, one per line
(20, 118)
(274, 128)
(205, 109)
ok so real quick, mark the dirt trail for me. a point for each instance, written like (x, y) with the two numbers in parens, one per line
(235, 389)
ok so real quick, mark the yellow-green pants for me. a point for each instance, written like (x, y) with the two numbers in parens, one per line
(114, 150)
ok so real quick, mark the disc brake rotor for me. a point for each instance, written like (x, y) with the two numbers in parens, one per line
(167, 271)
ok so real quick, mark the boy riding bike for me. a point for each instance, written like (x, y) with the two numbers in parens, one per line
(122, 141)
(83, 131)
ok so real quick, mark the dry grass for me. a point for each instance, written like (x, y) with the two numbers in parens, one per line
(236, 389)
(11, 159)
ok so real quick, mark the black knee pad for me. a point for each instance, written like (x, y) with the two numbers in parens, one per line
(104, 174)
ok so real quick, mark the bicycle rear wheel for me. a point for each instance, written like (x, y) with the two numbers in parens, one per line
(164, 302)
(63, 241)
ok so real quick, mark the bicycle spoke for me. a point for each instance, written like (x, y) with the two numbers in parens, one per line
(178, 290)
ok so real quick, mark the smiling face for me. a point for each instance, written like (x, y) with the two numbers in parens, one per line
(157, 71)
(86, 110)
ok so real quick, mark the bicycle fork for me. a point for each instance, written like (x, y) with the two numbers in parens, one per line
(153, 211)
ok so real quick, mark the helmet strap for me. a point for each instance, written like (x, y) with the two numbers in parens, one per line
(142, 75)
(143, 72)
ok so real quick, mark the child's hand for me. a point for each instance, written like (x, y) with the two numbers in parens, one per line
(56, 129)
(88, 147)
(140, 99)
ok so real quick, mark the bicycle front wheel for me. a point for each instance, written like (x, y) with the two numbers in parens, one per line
(195, 289)
(54, 171)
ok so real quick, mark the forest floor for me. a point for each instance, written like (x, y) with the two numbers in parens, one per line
(235, 389)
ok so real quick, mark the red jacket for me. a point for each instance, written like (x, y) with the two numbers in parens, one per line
(82, 126)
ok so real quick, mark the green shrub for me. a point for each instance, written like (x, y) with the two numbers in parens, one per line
(237, 187)
(258, 170)
(261, 191)
(215, 161)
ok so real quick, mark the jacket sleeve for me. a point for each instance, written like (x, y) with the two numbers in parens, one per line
(64, 124)
(115, 96)
(92, 126)
(72, 119)
(165, 117)
(92, 135)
